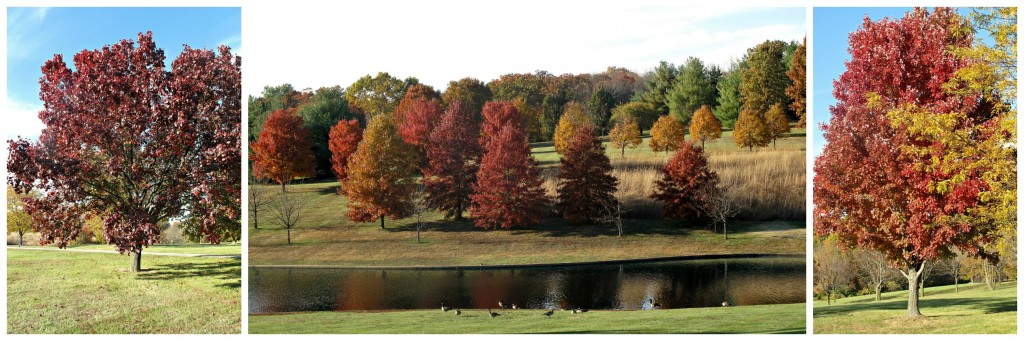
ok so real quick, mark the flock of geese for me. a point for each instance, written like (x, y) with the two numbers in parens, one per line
(502, 305)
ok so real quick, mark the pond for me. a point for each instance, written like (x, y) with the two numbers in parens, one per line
(671, 284)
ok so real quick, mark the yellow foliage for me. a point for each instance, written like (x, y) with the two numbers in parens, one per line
(625, 133)
(667, 134)
(572, 120)
(705, 126)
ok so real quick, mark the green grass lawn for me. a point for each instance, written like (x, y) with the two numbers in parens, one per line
(782, 318)
(79, 292)
(195, 249)
(974, 310)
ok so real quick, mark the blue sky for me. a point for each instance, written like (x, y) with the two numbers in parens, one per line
(832, 27)
(35, 35)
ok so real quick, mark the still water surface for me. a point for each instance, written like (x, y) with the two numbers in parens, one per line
(672, 284)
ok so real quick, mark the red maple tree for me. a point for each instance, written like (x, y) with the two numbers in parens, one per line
(586, 186)
(343, 140)
(283, 150)
(684, 179)
(419, 120)
(868, 191)
(130, 141)
(454, 156)
(508, 190)
(497, 115)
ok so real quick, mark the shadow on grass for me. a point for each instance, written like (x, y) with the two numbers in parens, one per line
(990, 305)
(556, 227)
(228, 271)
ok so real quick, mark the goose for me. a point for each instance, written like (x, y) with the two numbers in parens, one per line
(445, 308)
(493, 314)
(579, 311)
(514, 306)
(655, 304)
(458, 311)
(725, 303)
(549, 313)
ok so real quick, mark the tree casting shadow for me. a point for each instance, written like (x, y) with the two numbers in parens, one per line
(230, 272)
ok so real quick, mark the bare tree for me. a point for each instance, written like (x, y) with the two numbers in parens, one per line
(718, 203)
(873, 269)
(831, 268)
(953, 266)
(420, 208)
(258, 199)
(287, 211)
(612, 213)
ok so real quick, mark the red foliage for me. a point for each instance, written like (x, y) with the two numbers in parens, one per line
(137, 144)
(497, 115)
(454, 155)
(586, 186)
(420, 118)
(869, 193)
(283, 149)
(685, 178)
(508, 190)
(343, 140)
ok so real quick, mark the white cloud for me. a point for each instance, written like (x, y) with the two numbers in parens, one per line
(23, 33)
(22, 119)
(309, 45)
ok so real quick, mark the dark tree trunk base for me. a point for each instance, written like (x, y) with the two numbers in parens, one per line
(137, 261)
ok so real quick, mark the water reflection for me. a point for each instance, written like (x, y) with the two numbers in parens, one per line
(674, 284)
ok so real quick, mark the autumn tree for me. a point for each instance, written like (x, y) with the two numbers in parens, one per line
(684, 178)
(729, 102)
(471, 92)
(625, 133)
(705, 126)
(644, 114)
(667, 134)
(414, 94)
(454, 157)
(418, 122)
(620, 82)
(888, 182)
(797, 89)
(693, 88)
(319, 113)
(272, 99)
(377, 95)
(763, 81)
(283, 150)
(497, 115)
(831, 267)
(574, 119)
(381, 174)
(778, 124)
(140, 143)
(508, 190)
(585, 182)
(18, 221)
(751, 131)
(344, 139)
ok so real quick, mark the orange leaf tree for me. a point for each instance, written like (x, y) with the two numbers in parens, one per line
(574, 118)
(497, 115)
(684, 178)
(797, 91)
(344, 138)
(705, 126)
(454, 154)
(667, 134)
(381, 174)
(778, 124)
(508, 190)
(625, 133)
(751, 131)
(283, 150)
(586, 186)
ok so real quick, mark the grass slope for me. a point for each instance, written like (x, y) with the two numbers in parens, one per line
(79, 292)
(325, 235)
(783, 318)
(974, 310)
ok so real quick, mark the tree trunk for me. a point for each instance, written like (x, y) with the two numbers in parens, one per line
(289, 235)
(921, 290)
(913, 277)
(137, 261)
(623, 151)
(282, 187)
(255, 220)
(381, 222)
(878, 291)
(21, 238)
(417, 233)
(828, 297)
(956, 283)
(725, 229)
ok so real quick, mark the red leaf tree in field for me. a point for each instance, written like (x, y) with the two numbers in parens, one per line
(497, 115)
(343, 141)
(283, 149)
(508, 190)
(454, 154)
(586, 186)
(871, 189)
(419, 122)
(381, 174)
(797, 90)
(684, 179)
(130, 141)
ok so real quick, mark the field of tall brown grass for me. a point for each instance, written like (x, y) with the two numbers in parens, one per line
(766, 185)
